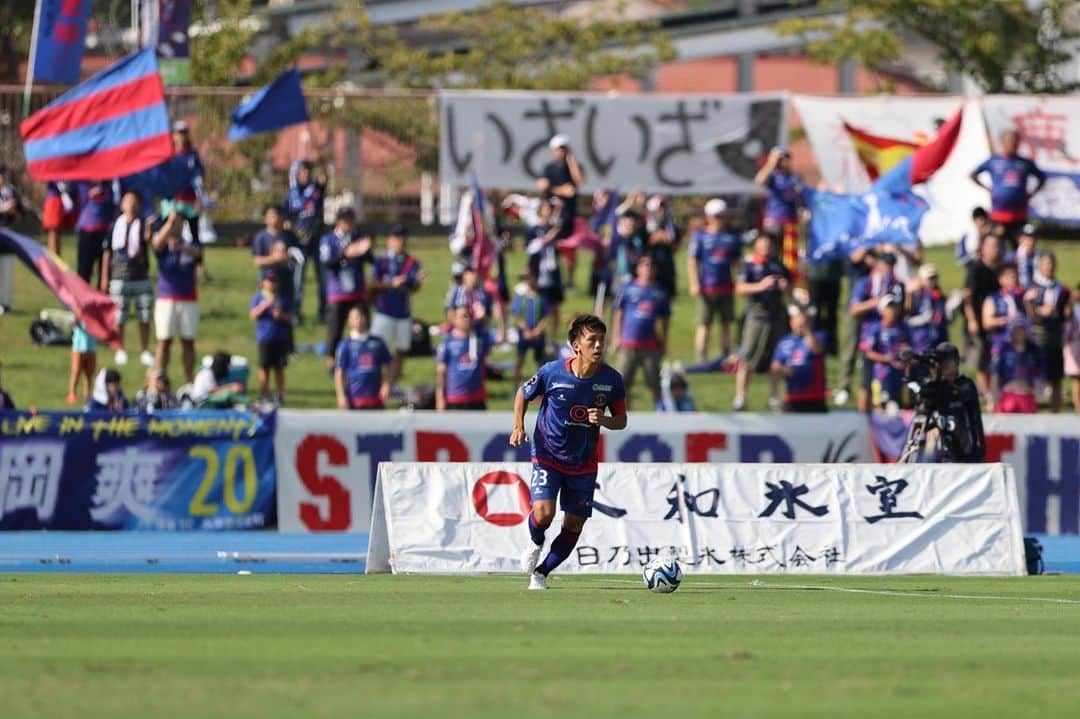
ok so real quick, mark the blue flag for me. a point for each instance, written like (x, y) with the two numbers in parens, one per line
(277, 105)
(61, 37)
(835, 220)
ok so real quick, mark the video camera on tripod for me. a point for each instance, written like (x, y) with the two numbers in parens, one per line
(946, 404)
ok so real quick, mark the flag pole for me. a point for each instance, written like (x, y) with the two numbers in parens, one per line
(30, 60)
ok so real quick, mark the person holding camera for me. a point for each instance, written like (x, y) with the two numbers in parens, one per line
(947, 409)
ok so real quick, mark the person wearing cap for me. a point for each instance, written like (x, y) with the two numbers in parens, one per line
(884, 346)
(780, 217)
(764, 281)
(1015, 365)
(981, 282)
(866, 296)
(270, 251)
(272, 312)
(562, 178)
(1010, 184)
(925, 312)
(108, 396)
(664, 238)
(304, 204)
(1002, 306)
(1047, 304)
(1025, 256)
(713, 253)
(343, 252)
(396, 277)
(157, 394)
(176, 308)
(531, 313)
(799, 358)
(641, 319)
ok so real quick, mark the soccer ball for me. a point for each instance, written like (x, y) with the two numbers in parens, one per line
(662, 576)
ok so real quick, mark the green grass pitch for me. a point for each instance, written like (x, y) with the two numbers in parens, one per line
(354, 646)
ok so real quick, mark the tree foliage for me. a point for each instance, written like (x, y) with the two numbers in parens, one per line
(1003, 45)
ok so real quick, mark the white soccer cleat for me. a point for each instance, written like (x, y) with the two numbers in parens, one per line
(537, 582)
(530, 557)
(121, 358)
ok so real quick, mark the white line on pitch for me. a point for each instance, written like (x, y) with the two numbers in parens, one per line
(895, 593)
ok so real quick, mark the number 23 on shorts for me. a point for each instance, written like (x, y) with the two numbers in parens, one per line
(539, 477)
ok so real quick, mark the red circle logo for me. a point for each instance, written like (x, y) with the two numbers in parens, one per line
(501, 519)
(579, 413)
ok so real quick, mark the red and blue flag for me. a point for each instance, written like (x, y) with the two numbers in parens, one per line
(112, 125)
(60, 39)
(93, 308)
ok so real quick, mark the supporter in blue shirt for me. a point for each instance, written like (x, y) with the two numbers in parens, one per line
(271, 311)
(540, 244)
(926, 315)
(361, 367)
(884, 347)
(461, 366)
(866, 294)
(1002, 306)
(713, 252)
(783, 188)
(98, 210)
(343, 252)
(304, 217)
(641, 318)
(531, 313)
(270, 251)
(396, 276)
(1010, 187)
(799, 358)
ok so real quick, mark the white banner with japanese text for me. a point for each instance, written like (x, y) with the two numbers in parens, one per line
(674, 144)
(1049, 129)
(716, 518)
(327, 461)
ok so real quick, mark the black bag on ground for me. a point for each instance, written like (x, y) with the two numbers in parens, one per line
(1033, 555)
(45, 333)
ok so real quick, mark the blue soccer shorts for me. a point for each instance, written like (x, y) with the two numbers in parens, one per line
(575, 491)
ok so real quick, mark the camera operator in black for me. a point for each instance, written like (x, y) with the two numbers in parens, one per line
(951, 401)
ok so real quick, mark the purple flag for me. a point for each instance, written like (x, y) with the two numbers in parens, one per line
(61, 37)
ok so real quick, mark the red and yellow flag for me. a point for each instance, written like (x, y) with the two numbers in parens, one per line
(878, 154)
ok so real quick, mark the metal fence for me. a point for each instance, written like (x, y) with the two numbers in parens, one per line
(373, 147)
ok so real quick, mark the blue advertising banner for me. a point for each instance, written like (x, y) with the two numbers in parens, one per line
(172, 471)
(61, 36)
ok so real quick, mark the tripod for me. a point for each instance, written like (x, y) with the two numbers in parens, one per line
(916, 438)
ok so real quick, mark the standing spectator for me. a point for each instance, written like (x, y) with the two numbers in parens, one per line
(823, 282)
(361, 367)
(125, 263)
(1010, 188)
(664, 239)
(83, 364)
(469, 294)
(764, 280)
(629, 244)
(304, 217)
(343, 252)
(176, 309)
(461, 366)
(270, 252)
(191, 195)
(272, 312)
(642, 316)
(1047, 304)
(397, 276)
(1013, 370)
(800, 359)
(530, 311)
(561, 178)
(157, 395)
(10, 202)
(884, 348)
(59, 213)
(866, 295)
(6, 403)
(1001, 307)
(98, 208)
(713, 252)
(1071, 360)
(967, 249)
(859, 265)
(540, 244)
(1025, 256)
(925, 312)
(781, 215)
(980, 283)
(108, 396)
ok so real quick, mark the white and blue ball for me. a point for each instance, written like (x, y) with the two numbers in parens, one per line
(662, 575)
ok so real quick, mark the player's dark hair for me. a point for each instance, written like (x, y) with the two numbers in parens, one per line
(275, 207)
(979, 213)
(583, 323)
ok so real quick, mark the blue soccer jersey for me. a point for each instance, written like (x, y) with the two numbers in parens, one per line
(807, 383)
(466, 366)
(362, 360)
(564, 440)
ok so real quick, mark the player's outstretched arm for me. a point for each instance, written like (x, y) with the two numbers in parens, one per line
(517, 434)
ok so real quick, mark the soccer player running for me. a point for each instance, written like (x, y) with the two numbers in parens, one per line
(576, 396)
